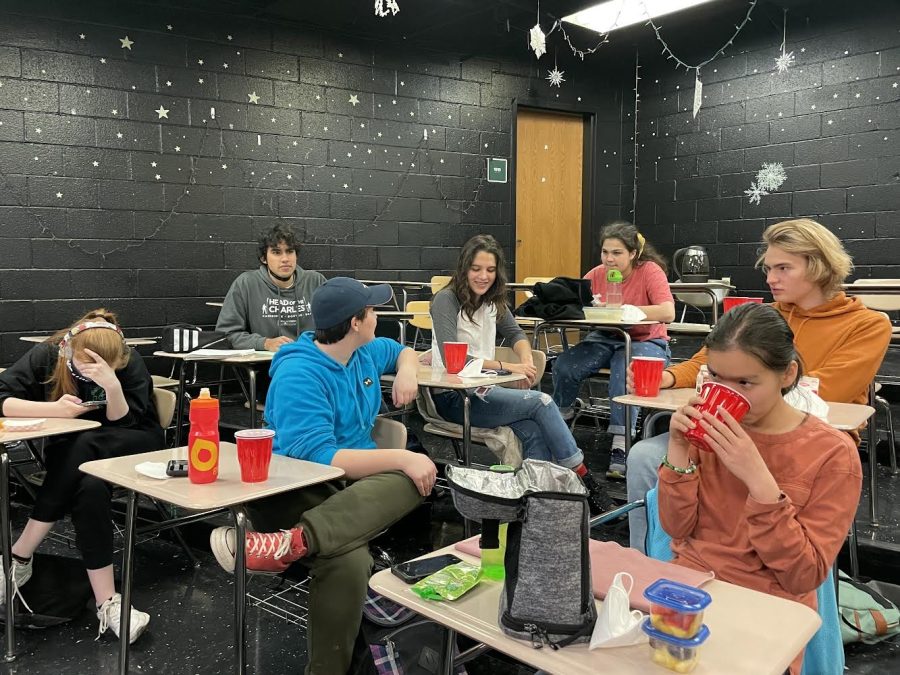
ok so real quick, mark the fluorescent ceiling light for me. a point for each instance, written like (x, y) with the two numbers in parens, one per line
(607, 16)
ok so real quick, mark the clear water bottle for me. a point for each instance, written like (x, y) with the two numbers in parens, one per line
(613, 288)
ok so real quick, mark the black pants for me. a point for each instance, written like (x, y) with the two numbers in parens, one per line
(67, 490)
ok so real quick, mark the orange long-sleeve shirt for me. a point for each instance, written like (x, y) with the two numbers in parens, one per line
(841, 342)
(785, 548)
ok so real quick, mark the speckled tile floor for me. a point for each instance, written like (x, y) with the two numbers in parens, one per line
(191, 609)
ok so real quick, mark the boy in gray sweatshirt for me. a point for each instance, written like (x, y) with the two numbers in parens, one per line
(270, 306)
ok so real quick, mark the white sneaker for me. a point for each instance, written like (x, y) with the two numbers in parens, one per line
(21, 573)
(110, 613)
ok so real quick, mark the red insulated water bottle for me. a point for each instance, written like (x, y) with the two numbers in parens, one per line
(203, 440)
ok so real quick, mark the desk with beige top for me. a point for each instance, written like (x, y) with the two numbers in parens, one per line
(843, 416)
(285, 474)
(404, 286)
(131, 341)
(52, 426)
(249, 363)
(751, 633)
(401, 317)
(437, 378)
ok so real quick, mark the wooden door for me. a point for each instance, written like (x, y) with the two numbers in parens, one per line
(549, 159)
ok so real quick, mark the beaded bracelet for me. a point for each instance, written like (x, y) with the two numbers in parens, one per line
(691, 468)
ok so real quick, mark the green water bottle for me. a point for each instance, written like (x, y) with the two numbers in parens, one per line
(493, 540)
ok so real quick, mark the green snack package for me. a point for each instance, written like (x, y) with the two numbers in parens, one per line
(449, 583)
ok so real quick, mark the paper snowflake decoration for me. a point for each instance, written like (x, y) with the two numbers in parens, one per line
(555, 77)
(385, 7)
(785, 61)
(755, 193)
(537, 40)
(771, 176)
(768, 179)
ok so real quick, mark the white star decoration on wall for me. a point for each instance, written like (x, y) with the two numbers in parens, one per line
(354, 100)
(126, 43)
(785, 61)
(254, 98)
(162, 112)
(555, 77)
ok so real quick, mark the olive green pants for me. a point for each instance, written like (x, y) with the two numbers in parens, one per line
(338, 523)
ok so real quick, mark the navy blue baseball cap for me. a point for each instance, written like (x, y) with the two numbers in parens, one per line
(340, 298)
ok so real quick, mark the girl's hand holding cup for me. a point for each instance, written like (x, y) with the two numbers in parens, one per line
(683, 420)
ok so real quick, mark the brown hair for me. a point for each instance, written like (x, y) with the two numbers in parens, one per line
(634, 241)
(827, 262)
(761, 331)
(459, 282)
(108, 344)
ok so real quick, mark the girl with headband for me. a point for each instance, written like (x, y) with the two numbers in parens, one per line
(82, 371)
(644, 285)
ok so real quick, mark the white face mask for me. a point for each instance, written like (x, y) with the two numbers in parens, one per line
(618, 625)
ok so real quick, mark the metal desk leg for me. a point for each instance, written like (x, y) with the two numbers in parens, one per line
(240, 588)
(535, 340)
(872, 437)
(6, 543)
(467, 428)
(853, 545)
(715, 305)
(127, 574)
(251, 377)
(402, 330)
(447, 648)
(467, 448)
(627, 337)
(179, 404)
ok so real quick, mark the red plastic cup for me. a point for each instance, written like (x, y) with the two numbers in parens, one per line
(730, 301)
(647, 372)
(455, 356)
(717, 395)
(254, 451)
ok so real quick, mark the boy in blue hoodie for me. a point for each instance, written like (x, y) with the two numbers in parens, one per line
(322, 403)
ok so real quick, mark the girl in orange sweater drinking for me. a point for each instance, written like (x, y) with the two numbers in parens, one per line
(770, 506)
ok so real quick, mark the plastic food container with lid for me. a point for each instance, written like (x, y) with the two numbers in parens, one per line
(677, 654)
(675, 608)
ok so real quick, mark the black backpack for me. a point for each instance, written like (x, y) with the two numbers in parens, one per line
(57, 592)
(395, 640)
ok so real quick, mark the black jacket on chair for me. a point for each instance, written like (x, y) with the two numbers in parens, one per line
(559, 298)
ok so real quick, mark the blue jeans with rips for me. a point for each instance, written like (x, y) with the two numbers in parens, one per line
(532, 416)
(598, 351)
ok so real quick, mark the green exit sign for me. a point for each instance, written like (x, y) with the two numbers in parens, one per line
(496, 170)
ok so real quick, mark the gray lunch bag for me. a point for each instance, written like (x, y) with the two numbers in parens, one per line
(546, 596)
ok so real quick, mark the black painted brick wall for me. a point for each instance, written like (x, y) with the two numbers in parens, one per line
(105, 202)
(832, 120)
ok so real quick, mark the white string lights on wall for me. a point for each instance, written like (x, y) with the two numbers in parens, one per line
(637, 101)
(670, 55)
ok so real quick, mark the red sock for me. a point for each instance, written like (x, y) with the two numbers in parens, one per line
(581, 470)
